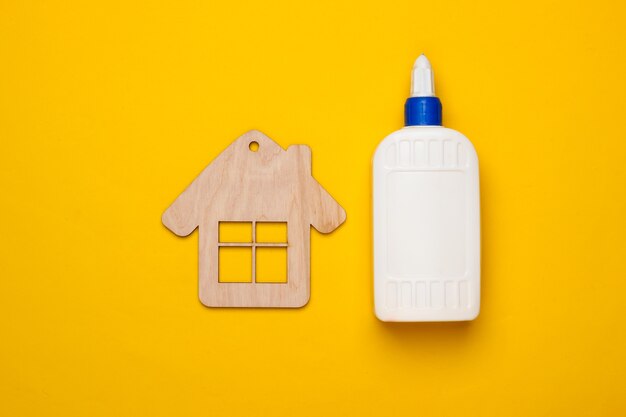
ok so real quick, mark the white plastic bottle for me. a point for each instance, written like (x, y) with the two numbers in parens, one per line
(426, 215)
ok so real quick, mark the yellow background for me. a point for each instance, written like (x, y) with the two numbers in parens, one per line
(109, 109)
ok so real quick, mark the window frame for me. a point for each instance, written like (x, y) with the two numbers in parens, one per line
(253, 244)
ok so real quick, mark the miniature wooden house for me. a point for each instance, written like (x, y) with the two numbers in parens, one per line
(255, 180)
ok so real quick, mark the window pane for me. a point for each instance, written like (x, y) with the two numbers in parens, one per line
(235, 264)
(239, 232)
(271, 265)
(271, 232)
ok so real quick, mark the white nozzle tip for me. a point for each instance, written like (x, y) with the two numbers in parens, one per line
(422, 62)
(423, 80)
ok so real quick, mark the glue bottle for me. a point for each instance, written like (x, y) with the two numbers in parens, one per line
(426, 215)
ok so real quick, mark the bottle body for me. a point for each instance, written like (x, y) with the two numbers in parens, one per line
(426, 226)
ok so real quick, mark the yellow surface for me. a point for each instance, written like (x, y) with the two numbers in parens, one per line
(235, 264)
(271, 232)
(235, 232)
(109, 109)
(271, 265)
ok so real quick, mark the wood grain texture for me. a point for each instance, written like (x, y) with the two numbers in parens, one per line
(269, 184)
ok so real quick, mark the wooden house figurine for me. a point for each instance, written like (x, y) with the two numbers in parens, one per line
(254, 181)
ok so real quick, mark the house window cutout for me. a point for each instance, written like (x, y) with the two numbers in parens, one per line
(271, 232)
(252, 252)
(235, 232)
(271, 265)
(235, 264)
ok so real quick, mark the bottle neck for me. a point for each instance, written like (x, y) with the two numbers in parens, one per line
(422, 111)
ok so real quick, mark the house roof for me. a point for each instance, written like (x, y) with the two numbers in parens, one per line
(245, 184)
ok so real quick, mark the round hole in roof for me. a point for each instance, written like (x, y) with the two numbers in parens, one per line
(253, 146)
